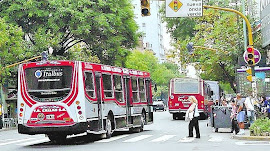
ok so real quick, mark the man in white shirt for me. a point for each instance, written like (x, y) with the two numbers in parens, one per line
(249, 103)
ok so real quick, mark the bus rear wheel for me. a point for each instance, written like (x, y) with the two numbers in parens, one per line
(143, 121)
(57, 138)
(109, 129)
(175, 116)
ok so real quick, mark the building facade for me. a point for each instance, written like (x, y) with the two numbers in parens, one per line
(151, 28)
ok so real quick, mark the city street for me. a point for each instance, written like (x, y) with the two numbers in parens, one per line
(164, 134)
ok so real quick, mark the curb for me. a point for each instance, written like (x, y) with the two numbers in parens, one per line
(254, 138)
(7, 129)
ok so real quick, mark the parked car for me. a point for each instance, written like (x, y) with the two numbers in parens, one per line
(159, 105)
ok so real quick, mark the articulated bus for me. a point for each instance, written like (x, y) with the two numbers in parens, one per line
(60, 98)
(181, 89)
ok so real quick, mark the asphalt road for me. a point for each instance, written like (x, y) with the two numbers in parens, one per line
(164, 134)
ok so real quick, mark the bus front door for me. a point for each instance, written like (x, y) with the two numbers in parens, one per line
(149, 117)
(99, 100)
(127, 98)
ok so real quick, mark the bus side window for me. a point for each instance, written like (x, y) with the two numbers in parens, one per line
(118, 87)
(89, 84)
(142, 89)
(135, 89)
(107, 85)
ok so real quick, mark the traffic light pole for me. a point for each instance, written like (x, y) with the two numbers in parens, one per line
(250, 42)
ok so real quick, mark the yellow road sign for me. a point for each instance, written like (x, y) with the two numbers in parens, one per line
(175, 5)
(249, 71)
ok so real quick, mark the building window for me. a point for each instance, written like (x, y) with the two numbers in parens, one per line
(107, 85)
(118, 88)
(143, 24)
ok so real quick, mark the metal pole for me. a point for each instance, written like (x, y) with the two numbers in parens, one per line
(244, 25)
(250, 41)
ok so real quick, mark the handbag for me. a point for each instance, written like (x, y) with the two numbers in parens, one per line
(191, 115)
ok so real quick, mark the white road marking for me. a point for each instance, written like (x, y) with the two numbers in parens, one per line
(77, 135)
(186, 139)
(253, 143)
(112, 139)
(215, 139)
(16, 141)
(34, 142)
(138, 138)
(163, 138)
(6, 140)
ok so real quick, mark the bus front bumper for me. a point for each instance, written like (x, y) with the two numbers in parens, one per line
(182, 111)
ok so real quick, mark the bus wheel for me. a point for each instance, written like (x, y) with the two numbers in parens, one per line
(203, 116)
(109, 130)
(57, 138)
(175, 116)
(143, 121)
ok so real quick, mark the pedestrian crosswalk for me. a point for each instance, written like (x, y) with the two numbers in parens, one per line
(127, 138)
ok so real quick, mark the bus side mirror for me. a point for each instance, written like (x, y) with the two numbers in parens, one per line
(211, 93)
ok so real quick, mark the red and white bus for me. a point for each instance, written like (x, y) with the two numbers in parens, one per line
(60, 98)
(181, 89)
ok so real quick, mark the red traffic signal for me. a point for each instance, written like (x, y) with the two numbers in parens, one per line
(250, 49)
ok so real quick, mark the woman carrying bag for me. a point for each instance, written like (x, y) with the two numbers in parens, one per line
(193, 114)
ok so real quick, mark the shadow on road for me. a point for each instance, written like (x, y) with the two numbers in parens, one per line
(79, 140)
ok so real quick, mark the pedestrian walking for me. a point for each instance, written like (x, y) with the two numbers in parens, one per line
(193, 114)
(267, 107)
(249, 103)
(235, 127)
(241, 111)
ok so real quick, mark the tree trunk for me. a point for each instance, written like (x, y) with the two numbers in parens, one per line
(227, 76)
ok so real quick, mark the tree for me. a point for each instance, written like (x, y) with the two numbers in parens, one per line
(11, 47)
(160, 73)
(216, 29)
(106, 28)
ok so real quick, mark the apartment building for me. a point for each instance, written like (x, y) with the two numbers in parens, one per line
(151, 27)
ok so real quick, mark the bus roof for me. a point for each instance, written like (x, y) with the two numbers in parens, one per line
(89, 65)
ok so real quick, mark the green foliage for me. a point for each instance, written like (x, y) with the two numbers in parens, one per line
(260, 126)
(217, 29)
(106, 28)
(179, 28)
(160, 73)
(11, 47)
(144, 61)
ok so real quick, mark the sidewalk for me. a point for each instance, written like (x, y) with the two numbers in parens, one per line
(7, 129)
(248, 137)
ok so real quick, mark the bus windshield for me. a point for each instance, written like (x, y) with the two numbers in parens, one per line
(48, 84)
(186, 86)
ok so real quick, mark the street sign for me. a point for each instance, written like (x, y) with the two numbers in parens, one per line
(257, 56)
(184, 8)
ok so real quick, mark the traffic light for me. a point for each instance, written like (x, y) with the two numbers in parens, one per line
(44, 56)
(250, 56)
(190, 48)
(249, 77)
(145, 7)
